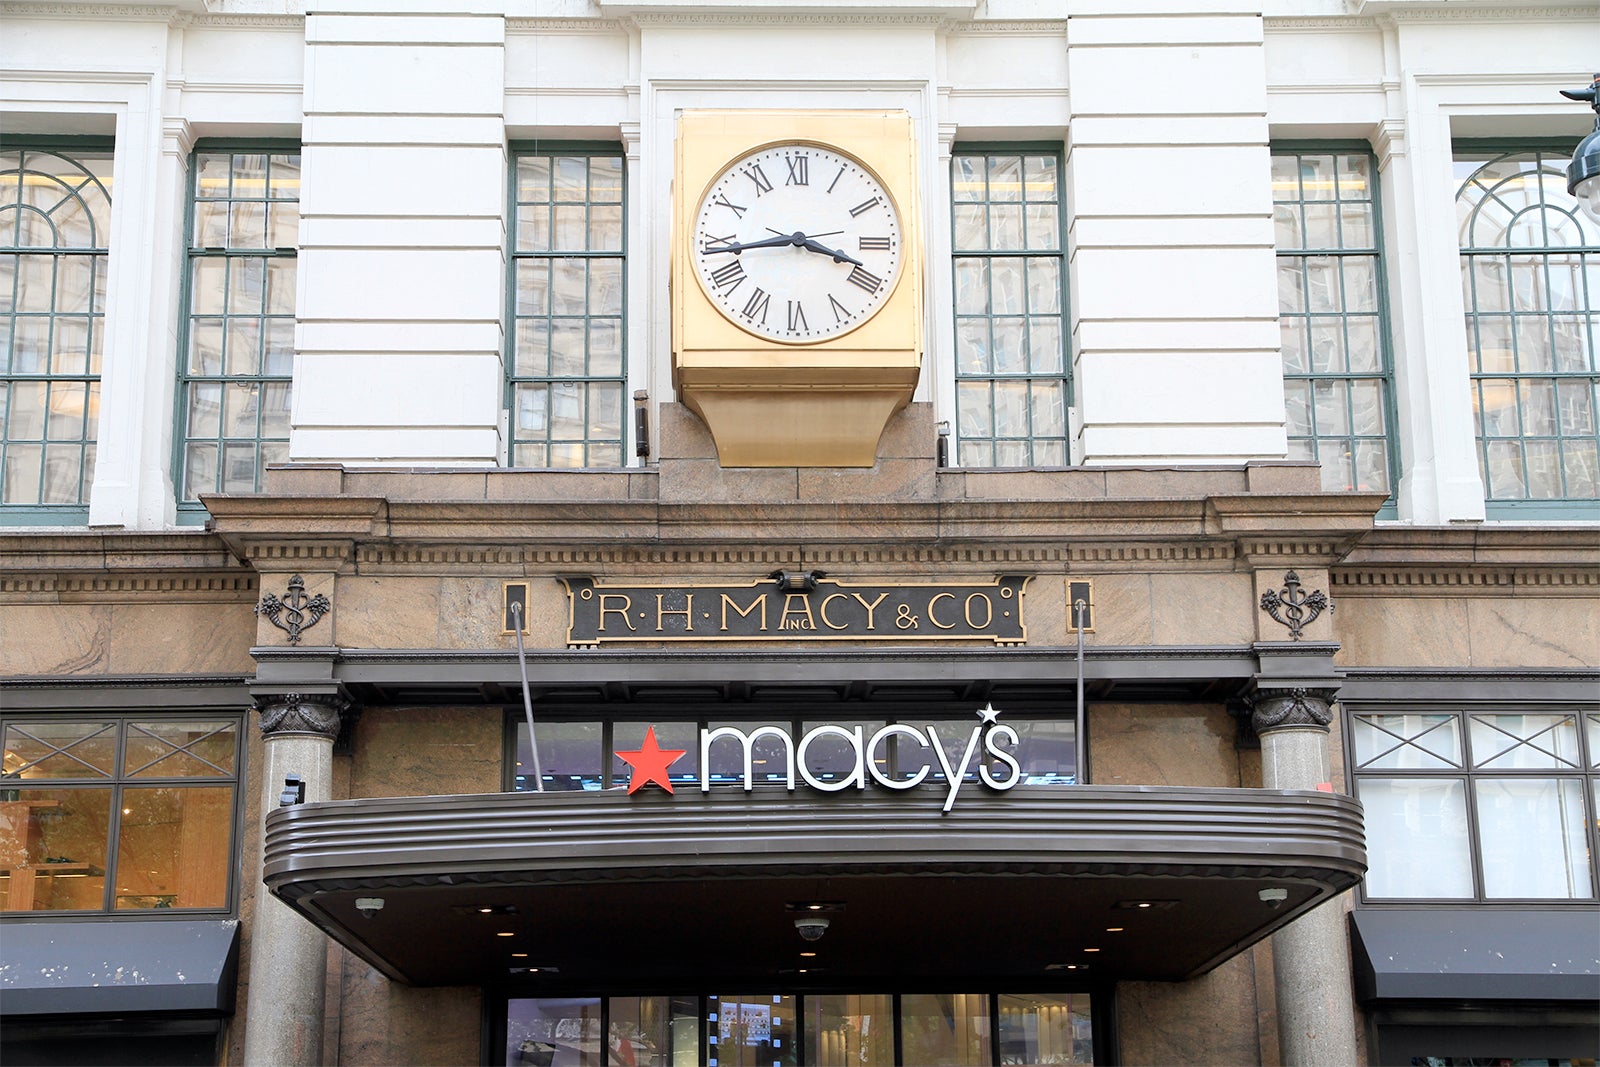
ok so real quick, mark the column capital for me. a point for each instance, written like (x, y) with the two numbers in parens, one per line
(1297, 706)
(320, 714)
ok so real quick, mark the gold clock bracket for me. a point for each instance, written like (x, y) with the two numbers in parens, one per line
(776, 404)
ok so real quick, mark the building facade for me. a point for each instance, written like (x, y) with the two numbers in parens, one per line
(942, 531)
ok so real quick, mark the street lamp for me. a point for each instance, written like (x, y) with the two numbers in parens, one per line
(1583, 173)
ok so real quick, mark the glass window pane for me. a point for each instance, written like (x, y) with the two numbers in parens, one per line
(1043, 1028)
(849, 1030)
(653, 1031)
(1506, 741)
(569, 756)
(1416, 838)
(938, 1029)
(1531, 831)
(180, 749)
(173, 847)
(53, 848)
(1407, 742)
(60, 749)
(554, 1032)
(1045, 751)
(751, 1030)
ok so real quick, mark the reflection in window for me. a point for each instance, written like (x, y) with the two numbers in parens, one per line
(1010, 309)
(569, 756)
(1045, 1028)
(754, 1030)
(1530, 266)
(554, 1032)
(164, 790)
(1505, 820)
(1330, 316)
(849, 1029)
(567, 363)
(945, 1029)
(55, 232)
(238, 353)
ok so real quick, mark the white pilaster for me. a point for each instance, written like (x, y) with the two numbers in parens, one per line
(402, 269)
(1174, 298)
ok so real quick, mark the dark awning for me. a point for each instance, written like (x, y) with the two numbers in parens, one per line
(118, 966)
(662, 887)
(1477, 954)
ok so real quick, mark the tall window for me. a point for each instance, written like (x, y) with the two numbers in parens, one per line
(568, 368)
(55, 223)
(1010, 308)
(1530, 275)
(118, 813)
(1479, 804)
(1330, 315)
(239, 344)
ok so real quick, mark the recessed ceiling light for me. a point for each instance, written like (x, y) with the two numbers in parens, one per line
(505, 933)
(1091, 950)
(519, 955)
(808, 953)
(1114, 929)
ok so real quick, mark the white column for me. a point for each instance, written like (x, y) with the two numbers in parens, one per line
(401, 289)
(1173, 276)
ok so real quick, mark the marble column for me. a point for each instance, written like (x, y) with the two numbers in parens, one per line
(1311, 958)
(289, 955)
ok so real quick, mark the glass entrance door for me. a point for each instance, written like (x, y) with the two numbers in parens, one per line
(767, 1029)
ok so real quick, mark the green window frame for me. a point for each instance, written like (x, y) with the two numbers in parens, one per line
(237, 340)
(1481, 803)
(1530, 278)
(566, 355)
(1013, 376)
(1333, 315)
(55, 222)
(120, 812)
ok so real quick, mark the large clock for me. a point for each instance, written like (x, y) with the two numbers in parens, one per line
(796, 283)
(797, 243)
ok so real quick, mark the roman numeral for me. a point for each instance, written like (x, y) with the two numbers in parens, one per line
(865, 280)
(755, 308)
(870, 244)
(797, 317)
(728, 276)
(737, 209)
(799, 167)
(836, 178)
(718, 244)
(840, 312)
(757, 175)
(863, 207)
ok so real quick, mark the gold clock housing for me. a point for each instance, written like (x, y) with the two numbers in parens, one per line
(796, 281)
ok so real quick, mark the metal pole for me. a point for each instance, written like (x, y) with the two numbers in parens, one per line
(1079, 750)
(527, 701)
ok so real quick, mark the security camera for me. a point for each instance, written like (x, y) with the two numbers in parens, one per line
(369, 906)
(1274, 897)
(811, 927)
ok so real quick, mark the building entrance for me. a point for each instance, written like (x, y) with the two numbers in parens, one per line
(815, 1029)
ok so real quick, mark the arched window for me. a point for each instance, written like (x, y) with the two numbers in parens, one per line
(55, 220)
(1530, 274)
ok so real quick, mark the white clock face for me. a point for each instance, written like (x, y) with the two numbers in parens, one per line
(797, 243)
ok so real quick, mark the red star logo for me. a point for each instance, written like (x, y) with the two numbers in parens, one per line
(650, 763)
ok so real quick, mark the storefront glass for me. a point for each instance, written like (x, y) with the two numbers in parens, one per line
(800, 1030)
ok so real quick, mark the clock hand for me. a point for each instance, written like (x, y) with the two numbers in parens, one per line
(767, 242)
(830, 233)
(838, 257)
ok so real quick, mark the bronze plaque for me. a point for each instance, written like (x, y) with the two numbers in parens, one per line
(601, 613)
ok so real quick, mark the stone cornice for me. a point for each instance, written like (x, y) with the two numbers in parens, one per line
(1472, 561)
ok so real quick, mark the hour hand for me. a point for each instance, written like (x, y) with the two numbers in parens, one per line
(812, 245)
